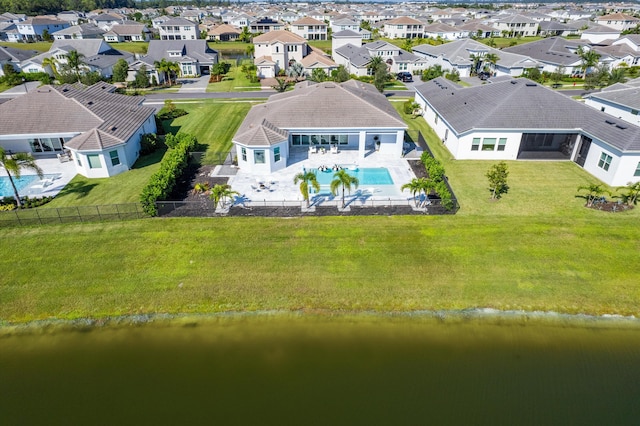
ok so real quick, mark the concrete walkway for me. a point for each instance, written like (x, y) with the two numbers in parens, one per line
(194, 85)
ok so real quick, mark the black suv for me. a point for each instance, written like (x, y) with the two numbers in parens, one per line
(405, 77)
(484, 75)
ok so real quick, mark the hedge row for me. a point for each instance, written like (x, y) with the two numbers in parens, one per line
(435, 169)
(162, 182)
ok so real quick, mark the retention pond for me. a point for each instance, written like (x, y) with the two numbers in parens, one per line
(322, 370)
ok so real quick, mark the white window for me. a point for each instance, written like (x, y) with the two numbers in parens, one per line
(502, 142)
(488, 144)
(605, 161)
(475, 145)
(244, 154)
(276, 154)
(258, 156)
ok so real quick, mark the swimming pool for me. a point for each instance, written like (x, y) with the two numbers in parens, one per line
(22, 184)
(365, 176)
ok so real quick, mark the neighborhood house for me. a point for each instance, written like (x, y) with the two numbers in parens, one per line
(98, 130)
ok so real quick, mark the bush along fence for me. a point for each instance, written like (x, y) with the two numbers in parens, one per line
(42, 216)
(162, 182)
(438, 182)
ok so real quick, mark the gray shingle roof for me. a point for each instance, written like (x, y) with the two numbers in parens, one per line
(16, 55)
(526, 106)
(623, 95)
(67, 108)
(552, 50)
(328, 105)
(196, 49)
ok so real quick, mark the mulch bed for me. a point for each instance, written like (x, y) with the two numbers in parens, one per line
(194, 173)
(610, 206)
(417, 167)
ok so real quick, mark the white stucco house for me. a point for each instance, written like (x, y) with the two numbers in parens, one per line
(403, 27)
(346, 116)
(101, 129)
(356, 58)
(618, 21)
(516, 119)
(621, 100)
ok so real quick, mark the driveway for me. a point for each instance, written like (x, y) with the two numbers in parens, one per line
(194, 85)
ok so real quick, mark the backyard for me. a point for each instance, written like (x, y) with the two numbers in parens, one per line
(537, 248)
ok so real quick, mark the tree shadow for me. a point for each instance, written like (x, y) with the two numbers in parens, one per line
(77, 189)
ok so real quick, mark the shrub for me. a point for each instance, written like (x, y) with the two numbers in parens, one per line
(148, 143)
(169, 111)
(435, 169)
(162, 182)
(409, 106)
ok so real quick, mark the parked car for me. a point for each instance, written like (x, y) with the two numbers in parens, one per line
(484, 75)
(405, 77)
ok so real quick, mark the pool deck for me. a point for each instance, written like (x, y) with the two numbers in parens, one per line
(279, 185)
(63, 173)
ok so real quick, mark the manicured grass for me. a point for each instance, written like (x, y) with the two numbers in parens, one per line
(213, 123)
(507, 42)
(123, 188)
(558, 263)
(132, 47)
(234, 81)
(225, 46)
(536, 188)
(325, 45)
(40, 46)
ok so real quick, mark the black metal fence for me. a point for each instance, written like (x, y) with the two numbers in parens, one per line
(45, 216)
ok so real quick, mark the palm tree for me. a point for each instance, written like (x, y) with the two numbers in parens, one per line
(419, 186)
(307, 179)
(476, 60)
(594, 192)
(250, 50)
(52, 63)
(245, 35)
(589, 59)
(220, 193)
(174, 69)
(166, 68)
(74, 62)
(375, 63)
(12, 163)
(407, 44)
(296, 70)
(492, 59)
(343, 179)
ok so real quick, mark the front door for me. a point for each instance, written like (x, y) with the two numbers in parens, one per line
(583, 150)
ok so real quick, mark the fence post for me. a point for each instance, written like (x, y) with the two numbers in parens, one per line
(59, 217)
(98, 211)
(118, 211)
(38, 215)
(18, 217)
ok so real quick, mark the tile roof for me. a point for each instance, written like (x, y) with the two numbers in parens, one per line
(526, 106)
(317, 58)
(404, 20)
(196, 49)
(282, 36)
(327, 105)
(308, 21)
(553, 50)
(264, 134)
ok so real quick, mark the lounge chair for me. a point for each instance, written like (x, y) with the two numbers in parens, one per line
(313, 149)
(334, 149)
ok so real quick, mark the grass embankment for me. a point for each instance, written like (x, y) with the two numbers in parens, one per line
(337, 263)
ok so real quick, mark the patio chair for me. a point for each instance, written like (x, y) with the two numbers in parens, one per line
(334, 149)
(313, 149)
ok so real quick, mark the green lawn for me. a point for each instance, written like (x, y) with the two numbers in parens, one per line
(40, 46)
(324, 45)
(132, 47)
(506, 42)
(226, 46)
(537, 248)
(234, 81)
(213, 123)
(123, 188)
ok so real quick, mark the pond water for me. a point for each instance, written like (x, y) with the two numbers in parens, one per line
(323, 370)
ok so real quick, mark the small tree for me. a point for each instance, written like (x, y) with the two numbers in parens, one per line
(281, 85)
(595, 191)
(343, 179)
(307, 180)
(631, 195)
(340, 75)
(296, 70)
(497, 176)
(120, 71)
(13, 163)
(318, 75)
(220, 193)
(141, 80)
(432, 72)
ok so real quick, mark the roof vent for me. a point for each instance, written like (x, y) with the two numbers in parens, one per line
(113, 129)
(609, 122)
(90, 103)
(514, 82)
(620, 126)
(65, 90)
(531, 84)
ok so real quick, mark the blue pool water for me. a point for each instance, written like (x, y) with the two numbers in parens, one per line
(21, 183)
(366, 176)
